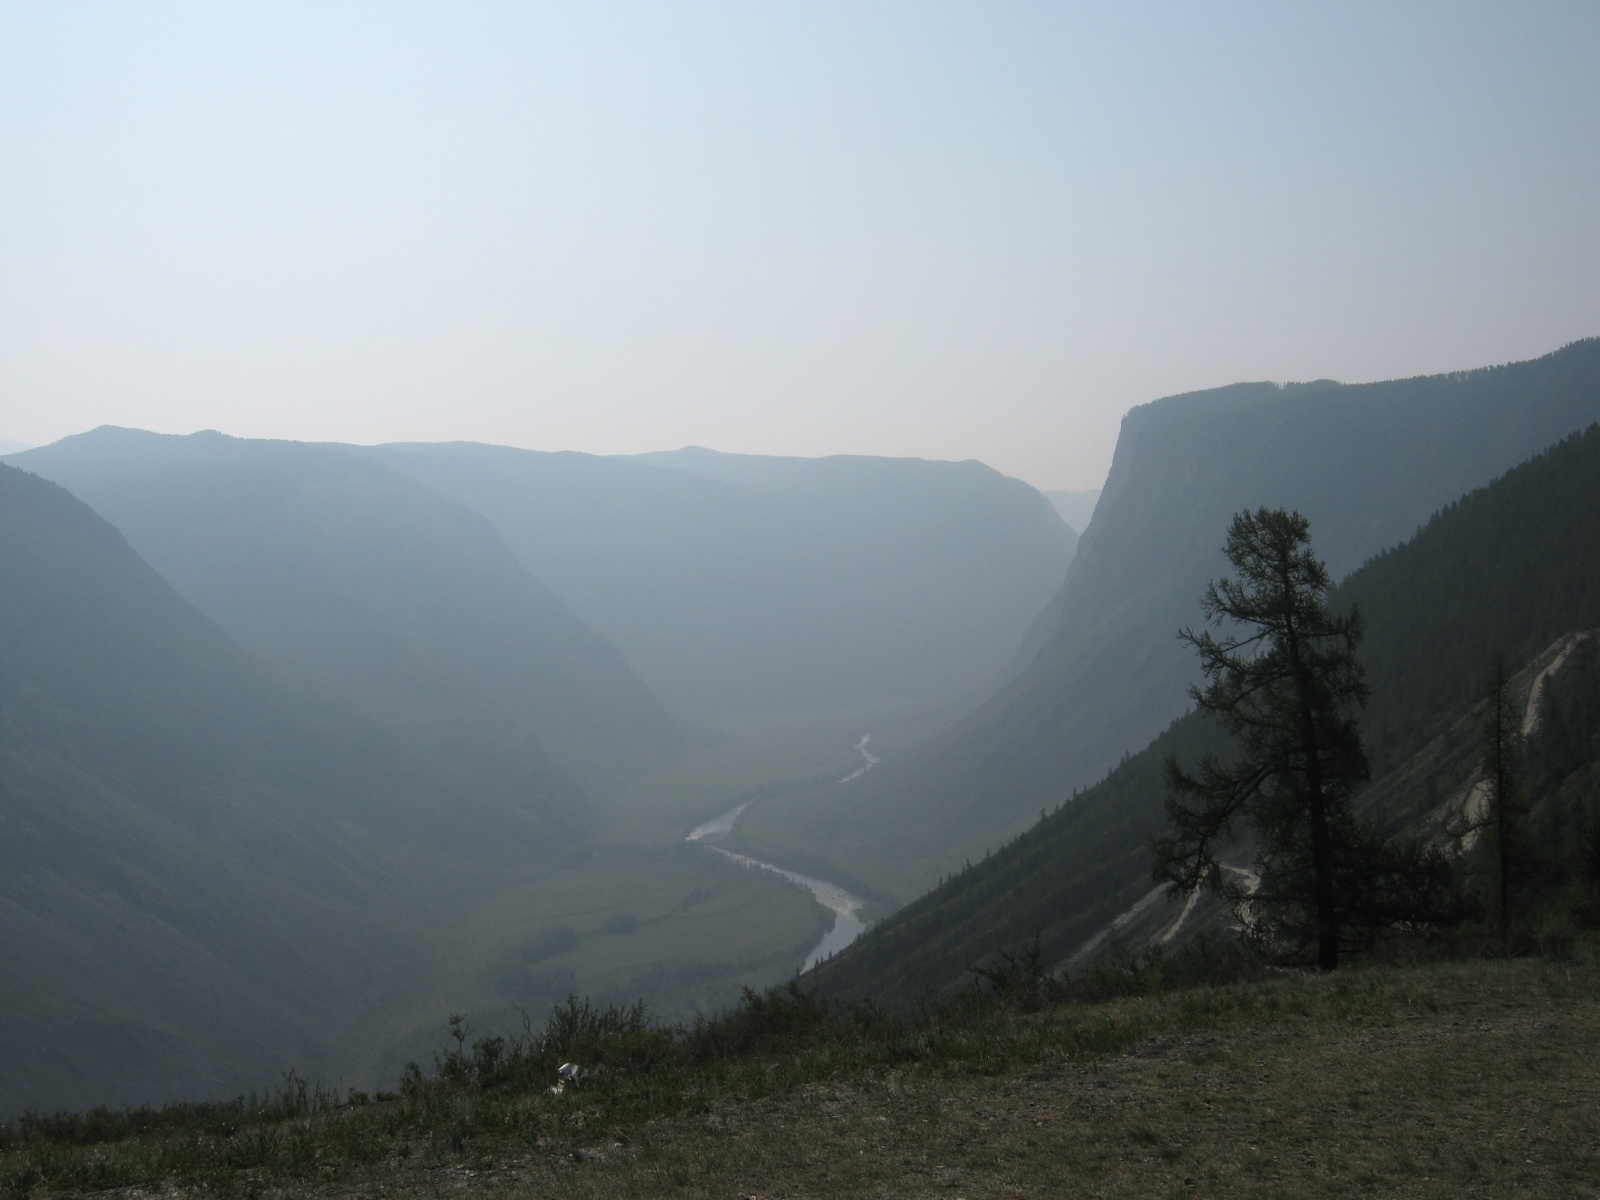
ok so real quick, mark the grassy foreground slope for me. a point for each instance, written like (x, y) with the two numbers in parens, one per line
(1443, 1080)
(1510, 567)
(208, 871)
(1102, 673)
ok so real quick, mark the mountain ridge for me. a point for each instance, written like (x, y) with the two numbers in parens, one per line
(406, 603)
(1435, 614)
(1100, 672)
(743, 583)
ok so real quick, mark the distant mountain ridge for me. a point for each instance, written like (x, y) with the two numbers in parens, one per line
(405, 603)
(743, 583)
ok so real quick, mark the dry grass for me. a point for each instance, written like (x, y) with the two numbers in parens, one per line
(1429, 1109)
(1459, 1079)
(1497, 1095)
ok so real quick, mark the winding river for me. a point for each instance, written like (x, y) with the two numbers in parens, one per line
(847, 927)
(869, 759)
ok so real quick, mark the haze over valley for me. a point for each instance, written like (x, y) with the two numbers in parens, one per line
(783, 609)
(663, 726)
(864, 601)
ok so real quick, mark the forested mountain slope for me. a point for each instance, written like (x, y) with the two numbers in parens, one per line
(1103, 672)
(406, 603)
(209, 873)
(740, 583)
(1510, 567)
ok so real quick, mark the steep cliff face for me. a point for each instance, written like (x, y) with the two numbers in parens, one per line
(1368, 464)
(1102, 671)
(1512, 568)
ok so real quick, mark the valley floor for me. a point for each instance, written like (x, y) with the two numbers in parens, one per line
(642, 912)
(1478, 1078)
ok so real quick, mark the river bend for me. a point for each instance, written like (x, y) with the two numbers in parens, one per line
(847, 927)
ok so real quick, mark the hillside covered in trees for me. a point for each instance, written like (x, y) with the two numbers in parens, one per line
(1101, 672)
(1510, 568)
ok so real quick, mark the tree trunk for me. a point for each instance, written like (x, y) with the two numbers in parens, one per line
(1322, 866)
(1316, 802)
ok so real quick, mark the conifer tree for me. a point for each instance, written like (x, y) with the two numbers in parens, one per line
(1502, 745)
(1284, 680)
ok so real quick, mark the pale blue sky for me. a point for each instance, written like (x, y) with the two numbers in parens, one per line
(941, 230)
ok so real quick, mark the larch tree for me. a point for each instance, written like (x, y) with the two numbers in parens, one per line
(1283, 679)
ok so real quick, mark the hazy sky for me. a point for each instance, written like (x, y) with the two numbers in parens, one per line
(952, 231)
